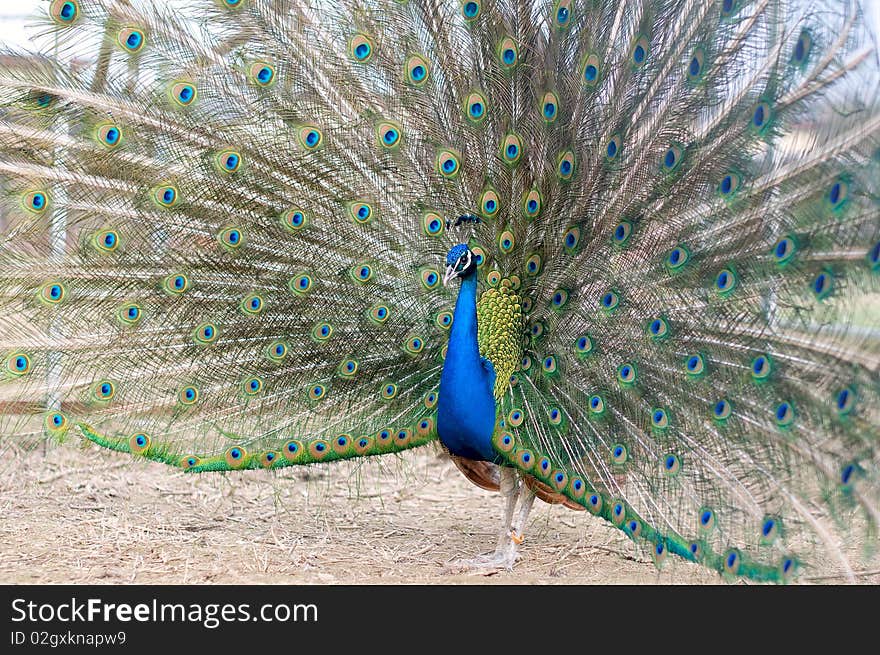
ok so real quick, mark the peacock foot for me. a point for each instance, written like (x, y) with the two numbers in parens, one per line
(502, 559)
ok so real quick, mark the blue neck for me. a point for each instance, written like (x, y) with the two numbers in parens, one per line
(466, 406)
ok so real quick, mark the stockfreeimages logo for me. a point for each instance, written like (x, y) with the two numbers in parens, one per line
(209, 615)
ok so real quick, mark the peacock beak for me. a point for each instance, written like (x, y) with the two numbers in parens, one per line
(449, 274)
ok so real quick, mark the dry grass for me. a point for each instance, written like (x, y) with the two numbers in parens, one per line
(97, 517)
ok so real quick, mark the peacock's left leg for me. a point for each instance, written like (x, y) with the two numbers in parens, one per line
(509, 536)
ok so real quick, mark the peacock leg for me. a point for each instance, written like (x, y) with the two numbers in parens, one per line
(505, 552)
(526, 499)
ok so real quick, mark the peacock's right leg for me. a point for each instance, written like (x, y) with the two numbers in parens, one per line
(508, 538)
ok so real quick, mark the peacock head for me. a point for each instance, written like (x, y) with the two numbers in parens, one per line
(460, 262)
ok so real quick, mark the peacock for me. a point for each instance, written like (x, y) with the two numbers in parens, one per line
(619, 256)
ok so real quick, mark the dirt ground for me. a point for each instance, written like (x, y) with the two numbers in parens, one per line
(98, 517)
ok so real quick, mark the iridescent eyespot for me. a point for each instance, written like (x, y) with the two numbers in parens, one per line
(515, 418)
(695, 365)
(784, 250)
(233, 4)
(609, 301)
(129, 314)
(658, 328)
(837, 195)
(378, 314)
(565, 166)
(725, 281)
(729, 185)
(389, 134)
(448, 163)
(596, 404)
(554, 416)
(479, 255)
(228, 161)
(52, 293)
(292, 450)
(106, 241)
(659, 418)
(432, 224)
(490, 204)
(189, 462)
(562, 13)
(361, 272)
(269, 459)
(64, 12)
(360, 212)
(230, 238)
(640, 50)
(732, 561)
(627, 374)
(188, 395)
(300, 285)
(873, 257)
(417, 70)
(175, 284)
(621, 233)
(721, 410)
(801, 51)
(388, 391)
(672, 158)
(414, 345)
(252, 304)
(236, 456)
(18, 364)
(671, 465)
(618, 513)
(549, 364)
(526, 361)
(534, 265)
(341, 444)
(706, 519)
(252, 386)
(183, 93)
(594, 503)
(361, 48)
(760, 116)
(471, 9)
(103, 390)
(559, 299)
(590, 70)
(532, 203)
(493, 278)
(784, 414)
(56, 423)
(35, 202)
(612, 148)
(206, 333)
(363, 444)
(634, 528)
(506, 241)
(659, 554)
(310, 137)
(619, 454)
(443, 320)
(508, 53)
(728, 7)
(847, 475)
(761, 367)
(317, 391)
(139, 443)
(322, 331)
(695, 65)
(430, 400)
(571, 239)
(822, 285)
(845, 401)
(429, 278)
(787, 568)
(549, 107)
(348, 367)
(677, 258)
(294, 219)
(511, 149)
(165, 195)
(504, 441)
(262, 73)
(536, 330)
(583, 345)
(108, 135)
